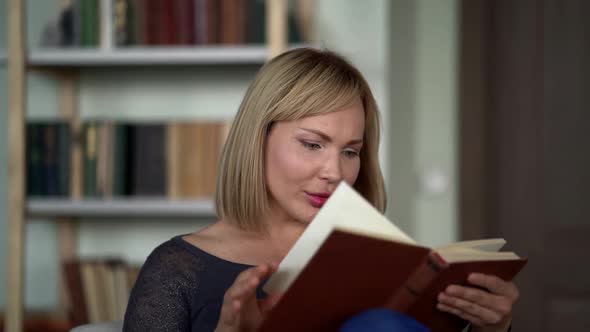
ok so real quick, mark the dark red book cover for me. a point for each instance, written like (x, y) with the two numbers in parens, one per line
(185, 24)
(169, 23)
(75, 288)
(233, 17)
(351, 273)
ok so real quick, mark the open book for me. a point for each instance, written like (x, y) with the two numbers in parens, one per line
(351, 258)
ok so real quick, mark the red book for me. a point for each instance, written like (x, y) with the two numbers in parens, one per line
(185, 24)
(232, 22)
(152, 13)
(169, 23)
(351, 258)
(75, 291)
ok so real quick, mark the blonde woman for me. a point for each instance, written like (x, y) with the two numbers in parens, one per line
(307, 122)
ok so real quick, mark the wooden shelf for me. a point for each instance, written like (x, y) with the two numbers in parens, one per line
(136, 208)
(141, 56)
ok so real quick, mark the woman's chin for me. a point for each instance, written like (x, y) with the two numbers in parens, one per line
(310, 216)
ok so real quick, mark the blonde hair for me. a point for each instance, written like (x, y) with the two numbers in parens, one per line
(296, 84)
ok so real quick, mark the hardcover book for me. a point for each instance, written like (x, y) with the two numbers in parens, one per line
(352, 258)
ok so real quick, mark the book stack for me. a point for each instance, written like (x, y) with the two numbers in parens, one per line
(98, 289)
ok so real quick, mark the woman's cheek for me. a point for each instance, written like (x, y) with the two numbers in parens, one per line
(351, 170)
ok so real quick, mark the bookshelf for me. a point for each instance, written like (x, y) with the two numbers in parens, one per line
(66, 64)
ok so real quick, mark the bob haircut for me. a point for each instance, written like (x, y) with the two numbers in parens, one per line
(298, 83)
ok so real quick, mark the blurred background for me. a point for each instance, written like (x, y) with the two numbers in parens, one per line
(485, 108)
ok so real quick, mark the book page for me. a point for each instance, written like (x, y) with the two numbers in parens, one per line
(346, 210)
(491, 245)
(459, 254)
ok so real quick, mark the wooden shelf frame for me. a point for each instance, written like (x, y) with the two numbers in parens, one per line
(16, 166)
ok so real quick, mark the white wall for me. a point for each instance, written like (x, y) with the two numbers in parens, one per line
(358, 30)
(423, 90)
(420, 127)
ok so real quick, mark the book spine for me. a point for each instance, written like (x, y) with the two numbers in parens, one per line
(63, 146)
(120, 162)
(141, 22)
(256, 22)
(406, 295)
(149, 162)
(212, 22)
(50, 161)
(120, 22)
(34, 160)
(75, 286)
(90, 151)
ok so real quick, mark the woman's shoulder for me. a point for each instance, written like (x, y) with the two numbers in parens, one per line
(192, 254)
(172, 260)
(186, 249)
(220, 243)
(164, 292)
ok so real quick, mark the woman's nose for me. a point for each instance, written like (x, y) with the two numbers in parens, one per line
(332, 169)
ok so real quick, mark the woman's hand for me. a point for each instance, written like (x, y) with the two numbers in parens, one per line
(486, 310)
(241, 311)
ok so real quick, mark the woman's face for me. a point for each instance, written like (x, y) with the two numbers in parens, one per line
(306, 159)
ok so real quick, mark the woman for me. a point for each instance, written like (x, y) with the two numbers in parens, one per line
(307, 122)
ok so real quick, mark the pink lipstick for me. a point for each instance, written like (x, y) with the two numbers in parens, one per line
(317, 199)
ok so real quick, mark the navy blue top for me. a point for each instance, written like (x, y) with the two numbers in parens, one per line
(180, 288)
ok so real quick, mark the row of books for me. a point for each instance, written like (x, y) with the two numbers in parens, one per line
(174, 160)
(48, 159)
(98, 289)
(177, 22)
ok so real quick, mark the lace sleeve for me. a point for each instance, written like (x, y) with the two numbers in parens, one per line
(161, 297)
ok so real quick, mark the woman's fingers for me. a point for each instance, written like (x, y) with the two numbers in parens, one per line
(242, 290)
(457, 312)
(491, 306)
(494, 285)
(480, 297)
(471, 309)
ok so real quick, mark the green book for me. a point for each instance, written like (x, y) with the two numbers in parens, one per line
(89, 22)
(120, 167)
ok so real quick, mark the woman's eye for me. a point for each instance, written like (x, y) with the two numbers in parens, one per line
(350, 153)
(311, 145)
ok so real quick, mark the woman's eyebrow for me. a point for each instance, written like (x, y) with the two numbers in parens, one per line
(328, 138)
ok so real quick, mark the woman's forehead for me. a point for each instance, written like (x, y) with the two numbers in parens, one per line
(349, 121)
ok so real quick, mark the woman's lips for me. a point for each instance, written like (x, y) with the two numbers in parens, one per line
(317, 199)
